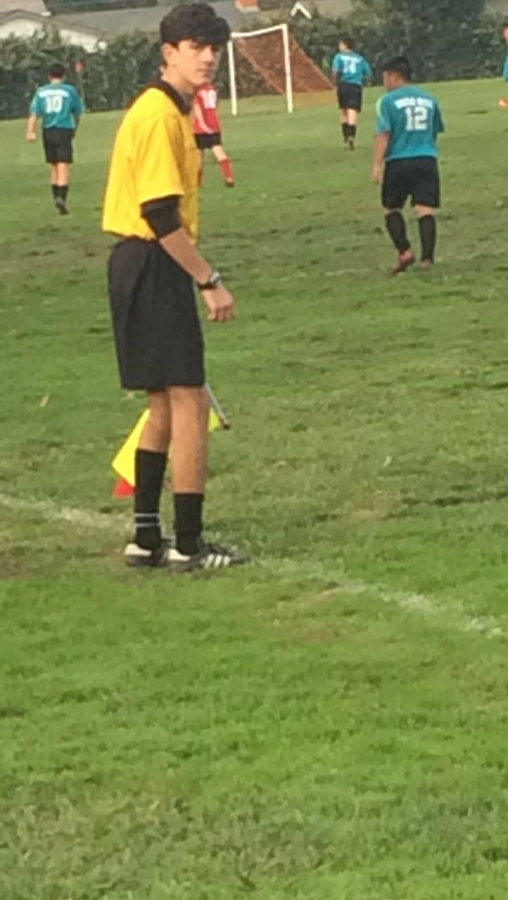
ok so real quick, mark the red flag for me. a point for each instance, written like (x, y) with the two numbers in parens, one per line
(123, 489)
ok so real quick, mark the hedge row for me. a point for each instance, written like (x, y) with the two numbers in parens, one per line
(111, 77)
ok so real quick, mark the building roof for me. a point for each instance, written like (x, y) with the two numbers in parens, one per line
(29, 6)
(118, 21)
(330, 8)
(46, 19)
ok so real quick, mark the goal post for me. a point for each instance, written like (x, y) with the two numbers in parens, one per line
(286, 62)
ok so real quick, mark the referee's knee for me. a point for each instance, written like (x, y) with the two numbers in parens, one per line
(195, 397)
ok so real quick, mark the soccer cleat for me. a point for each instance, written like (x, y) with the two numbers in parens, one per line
(406, 260)
(426, 265)
(139, 558)
(351, 143)
(61, 207)
(229, 182)
(209, 557)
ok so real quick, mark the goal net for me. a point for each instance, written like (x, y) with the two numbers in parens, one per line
(276, 64)
(268, 53)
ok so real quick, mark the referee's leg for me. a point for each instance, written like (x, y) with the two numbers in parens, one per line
(189, 457)
(151, 461)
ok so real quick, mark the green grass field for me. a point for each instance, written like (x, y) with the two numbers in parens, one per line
(331, 722)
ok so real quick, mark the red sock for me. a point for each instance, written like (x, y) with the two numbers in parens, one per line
(227, 170)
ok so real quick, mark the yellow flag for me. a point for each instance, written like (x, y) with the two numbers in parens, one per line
(124, 461)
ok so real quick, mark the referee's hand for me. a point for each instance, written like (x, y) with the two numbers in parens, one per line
(220, 303)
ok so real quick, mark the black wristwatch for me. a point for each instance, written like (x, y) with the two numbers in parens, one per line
(213, 282)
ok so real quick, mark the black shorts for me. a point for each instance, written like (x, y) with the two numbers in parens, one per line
(58, 144)
(157, 330)
(207, 141)
(350, 96)
(417, 178)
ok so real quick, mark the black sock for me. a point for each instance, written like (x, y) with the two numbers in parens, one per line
(396, 226)
(188, 522)
(150, 468)
(428, 236)
(352, 129)
(345, 130)
(54, 191)
(63, 190)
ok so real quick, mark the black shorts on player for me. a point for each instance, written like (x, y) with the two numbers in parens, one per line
(58, 145)
(416, 178)
(350, 96)
(156, 324)
(208, 141)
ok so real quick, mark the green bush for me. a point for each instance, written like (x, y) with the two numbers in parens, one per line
(112, 77)
(463, 49)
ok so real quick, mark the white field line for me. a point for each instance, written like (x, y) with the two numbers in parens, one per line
(80, 518)
(454, 617)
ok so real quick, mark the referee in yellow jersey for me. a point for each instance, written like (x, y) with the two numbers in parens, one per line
(151, 205)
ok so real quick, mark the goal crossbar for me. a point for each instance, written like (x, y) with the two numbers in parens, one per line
(245, 35)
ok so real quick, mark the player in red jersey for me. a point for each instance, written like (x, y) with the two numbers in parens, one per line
(207, 131)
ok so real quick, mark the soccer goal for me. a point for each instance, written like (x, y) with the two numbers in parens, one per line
(269, 53)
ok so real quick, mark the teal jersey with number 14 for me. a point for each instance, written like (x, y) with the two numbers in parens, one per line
(352, 67)
(58, 105)
(413, 119)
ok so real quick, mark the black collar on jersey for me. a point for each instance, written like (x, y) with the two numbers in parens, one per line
(182, 105)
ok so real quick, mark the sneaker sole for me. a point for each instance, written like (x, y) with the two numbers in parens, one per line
(188, 568)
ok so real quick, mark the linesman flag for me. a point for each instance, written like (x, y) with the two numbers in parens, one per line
(124, 461)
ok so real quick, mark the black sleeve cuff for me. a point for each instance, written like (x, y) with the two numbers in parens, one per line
(162, 215)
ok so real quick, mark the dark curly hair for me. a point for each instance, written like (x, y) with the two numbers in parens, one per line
(194, 22)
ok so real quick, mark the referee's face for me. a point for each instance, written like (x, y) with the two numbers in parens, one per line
(191, 64)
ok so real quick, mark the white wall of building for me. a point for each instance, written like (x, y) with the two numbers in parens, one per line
(25, 27)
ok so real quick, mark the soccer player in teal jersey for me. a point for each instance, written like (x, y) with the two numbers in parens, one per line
(60, 107)
(409, 121)
(350, 70)
(503, 103)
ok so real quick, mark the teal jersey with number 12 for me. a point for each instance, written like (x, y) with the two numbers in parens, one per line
(413, 119)
(58, 105)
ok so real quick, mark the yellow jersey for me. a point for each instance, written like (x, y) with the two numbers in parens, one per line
(154, 156)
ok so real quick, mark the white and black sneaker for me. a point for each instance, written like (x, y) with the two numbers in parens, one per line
(139, 558)
(210, 557)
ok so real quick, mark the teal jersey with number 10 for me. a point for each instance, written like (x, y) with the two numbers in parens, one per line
(413, 119)
(58, 105)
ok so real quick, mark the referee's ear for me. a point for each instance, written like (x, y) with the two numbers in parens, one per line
(167, 53)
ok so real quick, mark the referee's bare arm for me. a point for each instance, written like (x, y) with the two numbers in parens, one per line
(163, 216)
(381, 145)
(220, 303)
